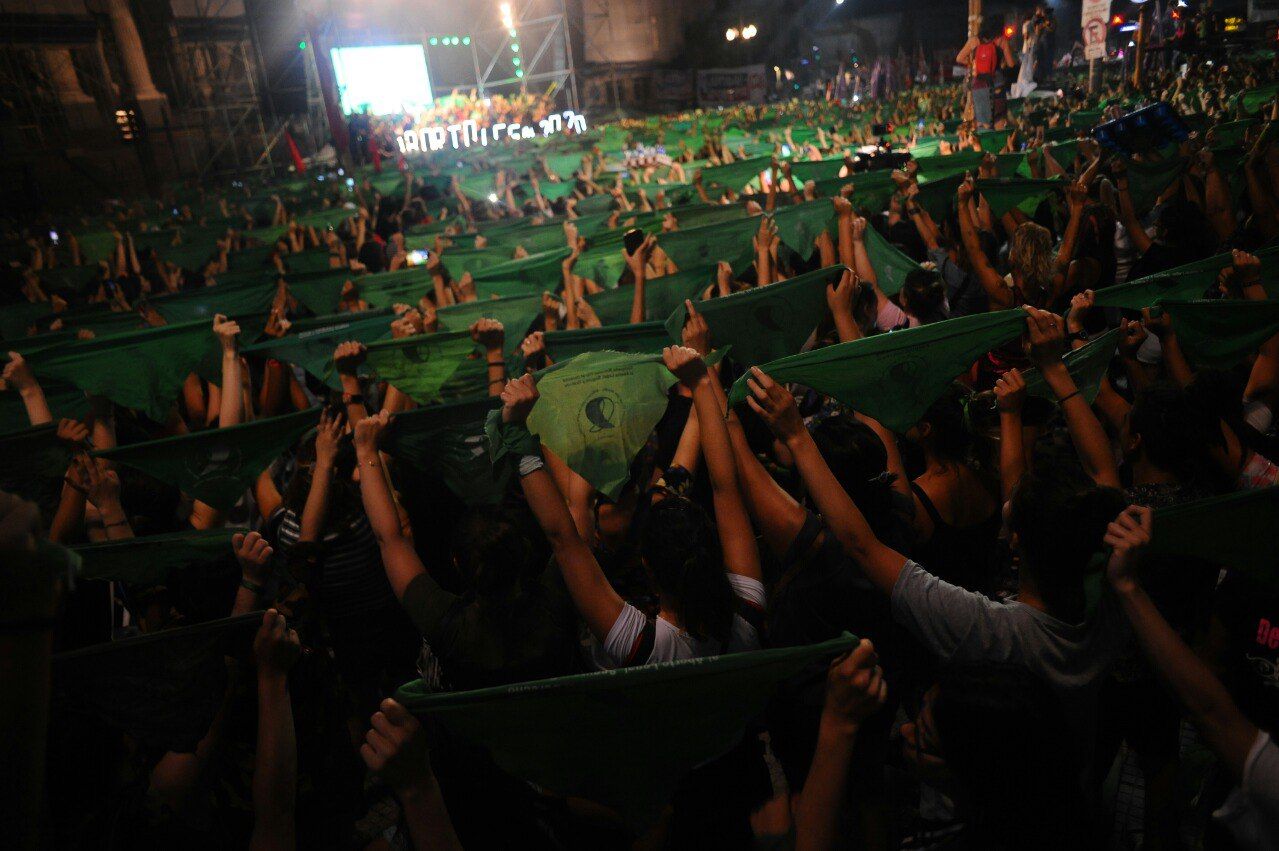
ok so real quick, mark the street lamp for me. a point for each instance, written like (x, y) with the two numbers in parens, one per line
(750, 31)
(730, 34)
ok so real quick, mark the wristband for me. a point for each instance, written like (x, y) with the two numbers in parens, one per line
(529, 464)
(1064, 399)
(496, 363)
(250, 586)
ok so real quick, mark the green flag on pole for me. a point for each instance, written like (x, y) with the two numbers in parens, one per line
(420, 365)
(151, 560)
(895, 377)
(597, 411)
(136, 369)
(623, 738)
(217, 466)
(763, 323)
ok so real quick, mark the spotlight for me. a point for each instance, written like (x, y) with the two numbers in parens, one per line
(492, 197)
(1009, 30)
(750, 31)
(515, 60)
(515, 48)
(302, 44)
(434, 41)
(466, 39)
(519, 72)
(730, 34)
(507, 20)
(839, 2)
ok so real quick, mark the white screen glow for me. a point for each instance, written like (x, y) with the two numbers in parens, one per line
(386, 80)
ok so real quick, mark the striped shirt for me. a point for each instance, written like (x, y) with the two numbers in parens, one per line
(352, 580)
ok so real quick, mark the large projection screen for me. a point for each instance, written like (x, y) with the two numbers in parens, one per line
(383, 80)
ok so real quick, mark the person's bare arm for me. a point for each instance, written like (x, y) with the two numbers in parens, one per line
(1128, 217)
(992, 283)
(595, 599)
(17, 375)
(737, 538)
(398, 555)
(1228, 732)
(327, 441)
(1010, 396)
(880, 563)
(275, 765)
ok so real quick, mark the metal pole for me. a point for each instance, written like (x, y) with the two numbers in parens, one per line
(1094, 66)
(1138, 71)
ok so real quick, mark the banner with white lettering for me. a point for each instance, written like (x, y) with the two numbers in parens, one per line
(726, 86)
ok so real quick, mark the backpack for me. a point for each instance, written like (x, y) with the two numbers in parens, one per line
(985, 59)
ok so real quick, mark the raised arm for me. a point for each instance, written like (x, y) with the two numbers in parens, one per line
(327, 441)
(19, 376)
(275, 767)
(990, 280)
(1010, 396)
(776, 406)
(398, 556)
(592, 594)
(231, 411)
(1228, 732)
(733, 524)
(1047, 336)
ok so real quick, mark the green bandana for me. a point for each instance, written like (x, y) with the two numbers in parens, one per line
(1025, 194)
(1221, 333)
(1086, 364)
(890, 264)
(763, 323)
(310, 342)
(895, 377)
(516, 314)
(639, 338)
(1237, 531)
(573, 735)
(217, 466)
(661, 296)
(597, 411)
(151, 560)
(420, 365)
(798, 226)
(448, 441)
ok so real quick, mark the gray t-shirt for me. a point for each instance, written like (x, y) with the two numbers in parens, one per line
(962, 627)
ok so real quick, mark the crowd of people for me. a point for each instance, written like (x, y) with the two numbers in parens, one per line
(302, 486)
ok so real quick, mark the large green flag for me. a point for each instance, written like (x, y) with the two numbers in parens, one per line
(35, 461)
(151, 560)
(206, 302)
(623, 738)
(1006, 194)
(136, 369)
(763, 323)
(515, 313)
(1147, 181)
(448, 441)
(597, 411)
(639, 338)
(1182, 283)
(895, 377)
(420, 365)
(735, 175)
(1086, 364)
(217, 466)
(1237, 531)
(799, 225)
(1218, 333)
(310, 342)
(661, 296)
(891, 265)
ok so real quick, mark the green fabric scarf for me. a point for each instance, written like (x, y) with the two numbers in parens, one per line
(576, 735)
(217, 466)
(1237, 531)
(661, 296)
(1087, 365)
(640, 338)
(448, 441)
(310, 342)
(1221, 333)
(763, 323)
(151, 560)
(895, 377)
(420, 365)
(597, 411)
(1025, 194)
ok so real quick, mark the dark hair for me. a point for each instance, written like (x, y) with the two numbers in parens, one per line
(924, 295)
(857, 458)
(1175, 436)
(1215, 394)
(345, 504)
(1059, 517)
(681, 548)
(948, 434)
(1026, 796)
(494, 555)
(1185, 228)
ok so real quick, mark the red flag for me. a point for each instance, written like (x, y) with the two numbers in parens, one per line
(294, 153)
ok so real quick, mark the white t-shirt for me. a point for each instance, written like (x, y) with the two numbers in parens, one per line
(670, 643)
(1251, 813)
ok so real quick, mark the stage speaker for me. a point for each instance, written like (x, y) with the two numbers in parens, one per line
(280, 38)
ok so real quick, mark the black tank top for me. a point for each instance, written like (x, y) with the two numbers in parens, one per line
(963, 556)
